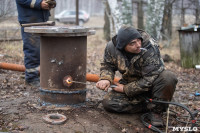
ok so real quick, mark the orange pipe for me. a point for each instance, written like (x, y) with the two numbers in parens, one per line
(95, 78)
(21, 68)
(14, 67)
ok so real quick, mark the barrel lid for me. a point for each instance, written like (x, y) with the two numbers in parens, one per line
(193, 28)
(60, 30)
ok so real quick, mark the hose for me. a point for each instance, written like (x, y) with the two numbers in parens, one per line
(192, 115)
(149, 125)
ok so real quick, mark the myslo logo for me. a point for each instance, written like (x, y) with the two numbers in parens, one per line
(184, 129)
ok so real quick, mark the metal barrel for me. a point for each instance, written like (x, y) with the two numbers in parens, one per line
(63, 52)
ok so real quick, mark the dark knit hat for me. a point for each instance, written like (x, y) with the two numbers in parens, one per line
(125, 35)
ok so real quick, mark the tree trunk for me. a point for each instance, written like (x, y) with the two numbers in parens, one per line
(7, 9)
(127, 12)
(140, 14)
(107, 17)
(197, 12)
(155, 10)
(182, 14)
(167, 20)
(117, 15)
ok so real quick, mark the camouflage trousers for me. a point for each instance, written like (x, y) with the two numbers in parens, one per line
(163, 89)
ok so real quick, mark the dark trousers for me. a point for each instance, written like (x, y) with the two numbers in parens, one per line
(31, 48)
(163, 89)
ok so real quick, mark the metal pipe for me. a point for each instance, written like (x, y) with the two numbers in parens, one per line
(21, 68)
(77, 12)
(63, 51)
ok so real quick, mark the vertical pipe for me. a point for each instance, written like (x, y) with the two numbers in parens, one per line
(77, 12)
(61, 56)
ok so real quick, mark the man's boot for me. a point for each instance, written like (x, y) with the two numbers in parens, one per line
(35, 84)
(155, 115)
(156, 119)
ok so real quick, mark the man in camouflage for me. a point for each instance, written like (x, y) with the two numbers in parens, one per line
(137, 58)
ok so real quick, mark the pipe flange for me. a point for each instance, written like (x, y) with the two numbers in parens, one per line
(54, 119)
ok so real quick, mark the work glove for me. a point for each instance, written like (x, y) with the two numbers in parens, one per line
(52, 3)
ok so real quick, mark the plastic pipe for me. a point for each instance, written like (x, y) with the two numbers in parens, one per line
(21, 68)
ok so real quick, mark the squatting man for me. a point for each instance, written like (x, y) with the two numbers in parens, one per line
(138, 59)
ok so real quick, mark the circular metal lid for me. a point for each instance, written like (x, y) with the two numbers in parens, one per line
(60, 30)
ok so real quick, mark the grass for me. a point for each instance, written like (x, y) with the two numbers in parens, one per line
(95, 21)
(12, 51)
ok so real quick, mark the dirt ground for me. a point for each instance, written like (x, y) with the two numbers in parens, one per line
(21, 110)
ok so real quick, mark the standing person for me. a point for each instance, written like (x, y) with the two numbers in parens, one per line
(32, 11)
(143, 75)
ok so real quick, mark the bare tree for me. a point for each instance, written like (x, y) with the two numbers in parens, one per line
(197, 12)
(140, 14)
(166, 29)
(155, 10)
(184, 6)
(126, 9)
(107, 24)
(7, 9)
(182, 13)
(118, 13)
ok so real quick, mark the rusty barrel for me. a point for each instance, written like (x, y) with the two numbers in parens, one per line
(63, 52)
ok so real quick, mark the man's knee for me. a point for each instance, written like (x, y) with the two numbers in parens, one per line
(169, 76)
(164, 86)
(107, 105)
(119, 103)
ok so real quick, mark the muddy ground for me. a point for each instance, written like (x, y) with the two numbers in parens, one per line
(21, 110)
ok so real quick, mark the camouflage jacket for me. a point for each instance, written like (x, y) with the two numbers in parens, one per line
(139, 73)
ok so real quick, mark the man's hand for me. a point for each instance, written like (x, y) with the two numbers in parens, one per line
(44, 5)
(52, 3)
(103, 84)
(119, 88)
